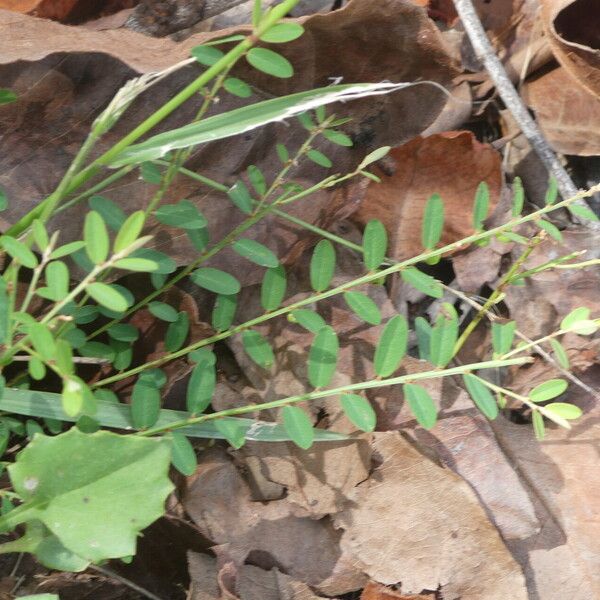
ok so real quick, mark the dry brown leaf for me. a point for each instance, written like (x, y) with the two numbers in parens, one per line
(572, 26)
(451, 164)
(376, 591)
(416, 523)
(568, 113)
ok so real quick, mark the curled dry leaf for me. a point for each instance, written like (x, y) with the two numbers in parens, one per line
(454, 548)
(451, 164)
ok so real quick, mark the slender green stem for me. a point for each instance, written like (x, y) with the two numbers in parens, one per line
(353, 387)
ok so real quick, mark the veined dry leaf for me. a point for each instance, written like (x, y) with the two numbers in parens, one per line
(568, 113)
(451, 164)
(572, 27)
(397, 530)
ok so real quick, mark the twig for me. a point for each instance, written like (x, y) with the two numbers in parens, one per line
(134, 586)
(512, 100)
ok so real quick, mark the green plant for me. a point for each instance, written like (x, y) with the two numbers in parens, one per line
(84, 495)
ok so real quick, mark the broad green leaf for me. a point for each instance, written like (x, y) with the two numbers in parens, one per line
(93, 509)
(215, 280)
(319, 158)
(52, 554)
(375, 242)
(257, 179)
(583, 212)
(564, 410)
(56, 275)
(272, 290)
(581, 313)
(481, 395)
(199, 238)
(518, 197)
(224, 311)
(282, 32)
(422, 282)
(423, 332)
(550, 228)
(140, 265)
(538, 425)
(231, 431)
(183, 456)
(560, 354)
(421, 404)
(481, 206)
(322, 265)
(374, 156)
(163, 311)
(363, 307)
(308, 319)
(177, 332)
(551, 192)
(244, 119)
(124, 332)
(241, 197)
(391, 346)
(150, 173)
(338, 138)
(444, 335)
(207, 55)
(201, 386)
(107, 296)
(433, 222)
(322, 357)
(255, 252)
(7, 96)
(95, 236)
(42, 341)
(298, 426)
(184, 214)
(73, 396)
(145, 403)
(19, 251)
(237, 87)
(270, 62)
(257, 348)
(129, 231)
(359, 411)
(503, 335)
(112, 213)
(548, 390)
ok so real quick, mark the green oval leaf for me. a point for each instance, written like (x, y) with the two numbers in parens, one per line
(163, 311)
(481, 395)
(165, 263)
(583, 212)
(231, 431)
(560, 354)
(95, 236)
(422, 282)
(391, 346)
(322, 265)
(581, 313)
(215, 280)
(270, 62)
(363, 307)
(359, 411)
(550, 228)
(338, 138)
(538, 425)
(518, 199)
(184, 215)
(42, 340)
(123, 332)
(319, 158)
(375, 242)
(145, 403)
(282, 32)
(207, 55)
(503, 335)
(257, 348)
(481, 206)
(564, 410)
(201, 386)
(224, 312)
(7, 96)
(308, 319)
(241, 197)
(177, 332)
(255, 252)
(322, 357)
(272, 290)
(257, 179)
(552, 191)
(374, 156)
(129, 231)
(548, 390)
(433, 222)
(112, 213)
(237, 87)
(421, 405)
(298, 426)
(183, 456)
(138, 265)
(444, 335)
(106, 295)
(19, 252)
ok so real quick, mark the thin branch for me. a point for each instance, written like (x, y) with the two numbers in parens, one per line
(134, 586)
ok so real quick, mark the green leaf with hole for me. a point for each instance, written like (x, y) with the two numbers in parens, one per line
(282, 32)
(319, 158)
(298, 426)
(363, 307)
(564, 410)
(481, 206)
(201, 385)
(433, 222)
(309, 319)
(241, 197)
(422, 282)
(481, 396)
(503, 335)
(93, 509)
(237, 87)
(322, 357)
(95, 236)
(359, 411)
(272, 290)
(444, 335)
(255, 252)
(421, 405)
(19, 251)
(258, 349)
(375, 242)
(215, 280)
(270, 62)
(548, 390)
(224, 311)
(391, 346)
(184, 214)
(322, 265)
(108, 296)
(177, 332)
(183, 456)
